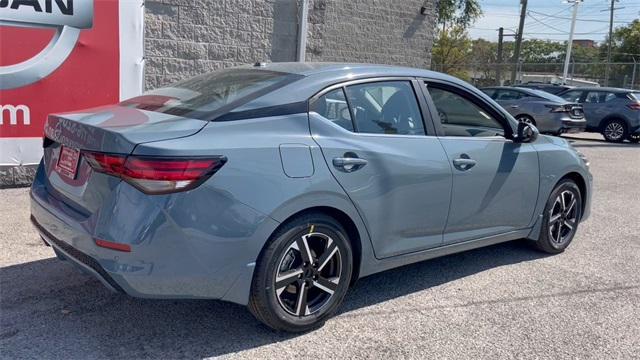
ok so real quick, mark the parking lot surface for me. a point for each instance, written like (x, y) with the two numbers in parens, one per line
(505, 301)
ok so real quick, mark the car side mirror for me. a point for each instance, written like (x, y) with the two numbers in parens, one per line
(526, 133)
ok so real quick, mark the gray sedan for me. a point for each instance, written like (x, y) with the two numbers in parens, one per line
(550, 113)
(276, 186)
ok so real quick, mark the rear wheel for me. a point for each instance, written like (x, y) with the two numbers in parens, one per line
(561, 217)
(615, 130)
(526, 119)
(302, 275)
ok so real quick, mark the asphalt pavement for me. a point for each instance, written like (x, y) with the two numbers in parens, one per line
(504, 301)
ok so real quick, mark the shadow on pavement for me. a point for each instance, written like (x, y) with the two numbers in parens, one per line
(597, 142)
(49, 310)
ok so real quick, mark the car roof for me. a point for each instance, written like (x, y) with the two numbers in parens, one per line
(517, 88)
(339, 68)
(607, 89)
(319, 75)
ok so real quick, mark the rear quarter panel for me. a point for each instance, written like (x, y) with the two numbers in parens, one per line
(253, 174)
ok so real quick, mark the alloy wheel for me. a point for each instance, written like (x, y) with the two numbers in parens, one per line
(308, 274)
(563, 218)
(614, 130)
(525, 119)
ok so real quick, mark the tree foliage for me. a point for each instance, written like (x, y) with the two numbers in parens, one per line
(451, 51)
(625, 43)
(460, 13)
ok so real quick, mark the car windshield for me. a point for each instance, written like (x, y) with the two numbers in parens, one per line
(209, 95)
(545, 95)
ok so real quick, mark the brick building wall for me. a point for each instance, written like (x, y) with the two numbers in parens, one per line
(384, 32)
(184, 38)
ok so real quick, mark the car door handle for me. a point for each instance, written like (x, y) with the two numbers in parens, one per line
(514, 106)
(464, 164)
(349, 164)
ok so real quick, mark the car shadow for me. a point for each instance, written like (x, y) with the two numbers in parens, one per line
(50, 308)
(590, 142)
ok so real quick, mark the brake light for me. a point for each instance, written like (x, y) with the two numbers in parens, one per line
(156, 175)
(559, 108)
(635, 106)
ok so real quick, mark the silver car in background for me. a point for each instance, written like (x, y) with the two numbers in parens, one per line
(613, 112)
(549, 113)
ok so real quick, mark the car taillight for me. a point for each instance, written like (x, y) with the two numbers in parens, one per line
(635, 106)
(558, 108)
(156, 175)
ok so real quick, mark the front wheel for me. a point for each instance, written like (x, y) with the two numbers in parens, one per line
(615, 130)
(561, 217)
(302, 275)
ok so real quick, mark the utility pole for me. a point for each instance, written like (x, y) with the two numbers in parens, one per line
(516, 54)
(608, 66)
(567, 58)
(499, 68)
(303, 12)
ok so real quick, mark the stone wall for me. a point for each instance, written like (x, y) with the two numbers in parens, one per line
(384, 32)
(184, 38)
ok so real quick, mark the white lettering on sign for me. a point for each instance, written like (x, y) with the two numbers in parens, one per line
(10, 113)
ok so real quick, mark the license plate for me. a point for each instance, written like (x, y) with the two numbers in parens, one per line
(68, 162)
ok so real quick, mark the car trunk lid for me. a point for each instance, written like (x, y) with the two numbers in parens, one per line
(110, 129)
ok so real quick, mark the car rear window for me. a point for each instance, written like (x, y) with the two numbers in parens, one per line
(546, 95)
(209, 95)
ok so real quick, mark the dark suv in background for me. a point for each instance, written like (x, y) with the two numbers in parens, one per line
(613, 112)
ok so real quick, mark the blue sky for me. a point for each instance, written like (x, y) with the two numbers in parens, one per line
(545, 19)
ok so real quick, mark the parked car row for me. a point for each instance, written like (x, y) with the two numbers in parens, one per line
(613, 112)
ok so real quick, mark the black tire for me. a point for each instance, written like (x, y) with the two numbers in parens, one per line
(557, 233)
(526, 119)
(615, 130)
(282, 308)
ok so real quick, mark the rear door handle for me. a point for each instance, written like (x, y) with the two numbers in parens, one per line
(348, 164)
(464, 164)
(514, 106)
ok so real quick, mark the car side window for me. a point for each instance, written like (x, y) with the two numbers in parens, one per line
(490, 92)
(461, 117)
(599, 97)
(386, 107)
(506, 95)
(333, 106)
(573, 96)
(594, 97)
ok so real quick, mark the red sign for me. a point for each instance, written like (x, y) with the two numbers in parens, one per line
(85, 75)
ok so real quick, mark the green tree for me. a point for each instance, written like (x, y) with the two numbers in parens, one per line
(625, 48)
(458, 13)
(451, 51)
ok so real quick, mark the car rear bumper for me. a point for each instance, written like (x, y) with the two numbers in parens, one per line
(171, 256)
(573, 125)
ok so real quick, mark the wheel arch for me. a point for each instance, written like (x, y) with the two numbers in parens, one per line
(353, 233)
(610, 117)
(582, 186)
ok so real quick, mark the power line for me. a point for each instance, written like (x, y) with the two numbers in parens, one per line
(567, 18)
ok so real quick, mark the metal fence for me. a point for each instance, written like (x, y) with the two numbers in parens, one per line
(626, 75)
